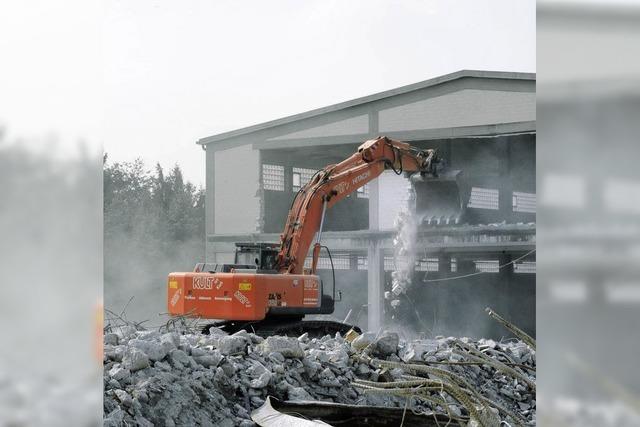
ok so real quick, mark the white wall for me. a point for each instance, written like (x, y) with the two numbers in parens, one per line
(237, 205)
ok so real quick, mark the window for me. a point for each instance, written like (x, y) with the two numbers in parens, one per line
(389, 263)
(363, 192)
(301, 177)
(488, 266)
(524, 267)
(273, 177)
(454, 265)
(363, 263)
(524, 202)
(340, 262)
(429, 264)
(483, 198)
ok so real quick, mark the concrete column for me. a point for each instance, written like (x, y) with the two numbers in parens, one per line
(465, 265)
(353, 261)
(505, 293)
(375, 289)
(209, 201)
(375, 261)
(444, 265)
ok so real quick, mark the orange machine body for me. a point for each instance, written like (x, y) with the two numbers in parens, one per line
(242, 296)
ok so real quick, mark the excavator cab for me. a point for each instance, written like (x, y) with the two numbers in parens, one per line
(261, 256)
(256, 257)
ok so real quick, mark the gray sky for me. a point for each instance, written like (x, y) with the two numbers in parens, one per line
(174, 72)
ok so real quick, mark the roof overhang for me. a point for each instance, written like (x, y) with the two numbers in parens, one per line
(256, 133)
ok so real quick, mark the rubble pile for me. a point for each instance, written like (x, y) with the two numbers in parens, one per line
(173, 378)
(486, 381)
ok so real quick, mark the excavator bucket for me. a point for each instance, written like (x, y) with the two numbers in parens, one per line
(439, 198)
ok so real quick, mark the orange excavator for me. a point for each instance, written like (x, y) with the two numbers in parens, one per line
(268, 290)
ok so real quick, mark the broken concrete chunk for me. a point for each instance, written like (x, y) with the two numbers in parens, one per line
(152, 349)
(180, 358)
(134, 359)
(196, 351)
(127, 331)
(298, 393)
(387, 343)
(216, 331)
(226, 423)
(142, 421)
(147, 335)
(262, 381)
(118, 373)
(124, 397)
(111, 339)
(231, 344)
(163, 366)
(363, 369)
(210, 359)
(114, 419)
(276, 357)
(328, 379)
(242, 333)
(362, 341)
(418, 350)
(260, 374)
(171, 337)
(287, 346)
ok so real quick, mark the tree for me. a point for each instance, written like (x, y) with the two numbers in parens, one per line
(153, 224)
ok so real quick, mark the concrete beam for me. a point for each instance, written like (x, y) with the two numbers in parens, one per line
(509, 238)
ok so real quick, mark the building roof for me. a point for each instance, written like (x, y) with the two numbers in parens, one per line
(368, 99)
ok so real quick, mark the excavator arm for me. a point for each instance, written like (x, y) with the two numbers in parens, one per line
(335, 182)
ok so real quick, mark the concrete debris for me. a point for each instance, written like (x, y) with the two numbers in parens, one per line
(387, 344)
(287, 346)
(134, 359)
(363, 341)
(192, 379)
(232, 344)
(298, 393)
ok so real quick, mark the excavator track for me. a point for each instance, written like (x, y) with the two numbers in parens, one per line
(293, 328)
